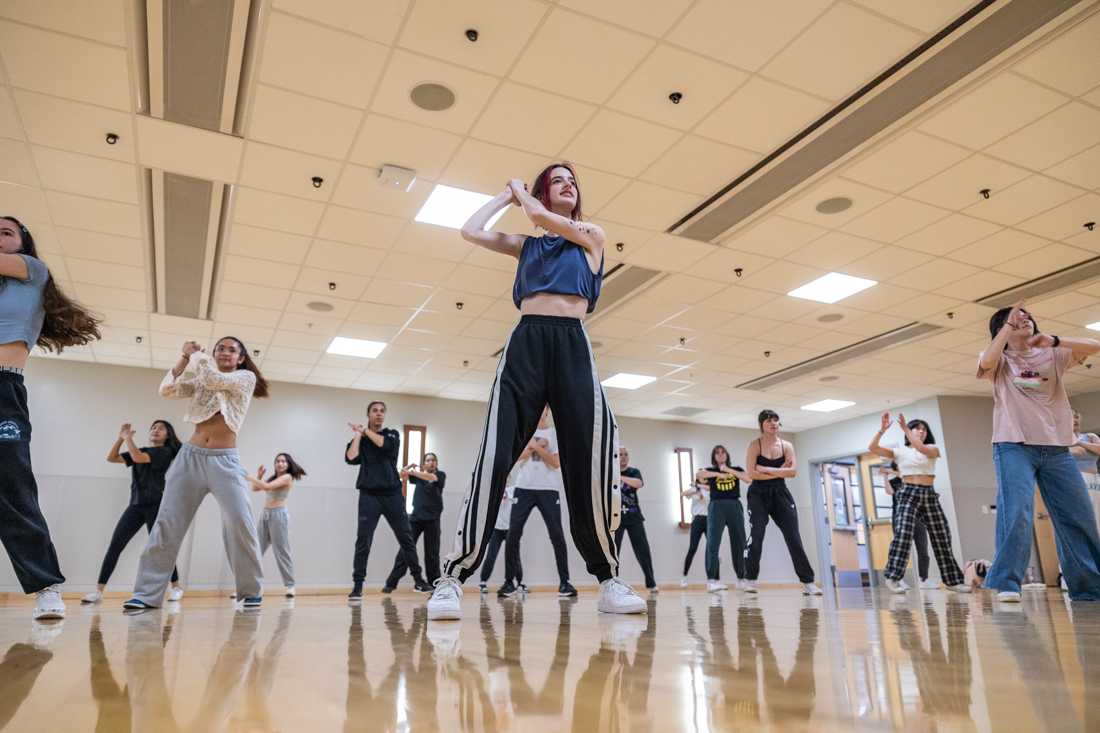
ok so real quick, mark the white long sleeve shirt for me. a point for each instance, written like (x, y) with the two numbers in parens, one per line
(211, 391)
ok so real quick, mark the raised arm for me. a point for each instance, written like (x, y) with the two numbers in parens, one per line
(991, 357)
(474, 231)
(874, 446)
(582, 233)
(351, 454)
(914, 440)
(550, 459)
(14, 266)
(241, 381)
(422, 475)
(1092, 445)
(113, 454)
(634, 483)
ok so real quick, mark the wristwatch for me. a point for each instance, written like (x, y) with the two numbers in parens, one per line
(1057, 342)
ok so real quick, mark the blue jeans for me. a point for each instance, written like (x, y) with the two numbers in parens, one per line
(1019, 467)
(721, 515)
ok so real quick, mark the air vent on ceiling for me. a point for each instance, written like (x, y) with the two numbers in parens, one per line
(684, 411)
(1070, 277)
(831, 359)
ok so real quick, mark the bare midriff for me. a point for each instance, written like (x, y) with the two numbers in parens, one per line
(554, 304)
(274, 503)
(922, 479)
(14, 354)
(213, 433)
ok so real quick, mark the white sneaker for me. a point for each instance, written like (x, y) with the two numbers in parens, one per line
(617, 631)
(618, 597)
(290, 592)
(93, 597)
(715, 586)
(897, 586)
(1009, 596)
(749, 586)
(444, 639)
(684, 582)
(175, 593)
(960, 588)
(929, 584)
(49, 604)
(810, 589)
(446, 600)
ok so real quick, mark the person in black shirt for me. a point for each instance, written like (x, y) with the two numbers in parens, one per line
(724, 512)
(424, 520)
(380, 496)
(148, 467)
(632, 521)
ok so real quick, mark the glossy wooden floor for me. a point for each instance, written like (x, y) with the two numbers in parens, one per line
(697, 662)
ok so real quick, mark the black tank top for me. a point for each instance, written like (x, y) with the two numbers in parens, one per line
(761, 460)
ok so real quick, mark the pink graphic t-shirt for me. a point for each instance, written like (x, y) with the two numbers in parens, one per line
(1030, 404)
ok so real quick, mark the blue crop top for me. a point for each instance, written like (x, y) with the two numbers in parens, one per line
(21, 311)
(553, 264)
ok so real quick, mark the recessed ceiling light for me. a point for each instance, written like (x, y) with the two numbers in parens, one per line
(834, 205)
(343, 346)
(1093, 326)
(622, 380)
(830, 318)
(832, 287)
(827, 405)
(320, 306)
(451, 207)
(432, 97)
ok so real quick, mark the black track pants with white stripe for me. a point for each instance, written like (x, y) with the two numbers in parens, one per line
(547, 360)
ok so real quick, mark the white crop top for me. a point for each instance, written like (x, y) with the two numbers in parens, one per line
(911, 462)
(211, 391)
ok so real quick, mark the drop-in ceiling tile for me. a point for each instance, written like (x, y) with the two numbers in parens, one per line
(619, 144)
(360, 227)
(10, 126)
(350, 258)
(680, 288)
(480, 166)
(702, 83)
(833, 251)
(1056, 137)
(762, 115)
(871, 324)
(397, 293)
(948, 234)
(905, 162)
(275, 211)
(268, 244)
(935, 274)
(412, 269)
(435, 242)
(928, 16)
(315, 342)
(102, 21)
(993, 110)
(259, 296)
(1056, 305)
(62, 123)
(300, 302)
(380, 314)
(652, 17)
(962, 315)
(291, 355)
(649, 207)
(311, 324)
(1089, 240)
(451, 322)
(781, 277)
(895, 219)
(254, 337)
(258, 272)
(361, 188)
(1065, 220)
(473, 305)
(1023, 200)
(670, 253)
(1082, 169)
(406, 70)
(97, 246)
(106, 274)
(285, 372)
(863, 199)
(385, 140)
(961, 185)
(1051, 258)
(483, 329)
(29, 203)
(842, 50)
(319, 61)
(1071, 62)
(302, 123)
(530, 119)
(437, 28)
(17, 166)
(377, 20)
(247, 315)
(580, 57)
(1002, 246)
(699, 166)
(885, 263)
(97, 296)
(65, 66)
(478, 280)
(285, 171)
(320, 282)
(110, 217)
(979, 285)
(82, 174)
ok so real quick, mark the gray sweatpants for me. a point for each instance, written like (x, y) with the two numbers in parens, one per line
(274, 530)
(194, 473)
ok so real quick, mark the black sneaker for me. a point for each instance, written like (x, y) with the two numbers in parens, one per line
(252, 601)
(507, 590)
(135, 605)
(566, 590)
(356, 592)
(423, 586)
(385, 589)
(483, 587)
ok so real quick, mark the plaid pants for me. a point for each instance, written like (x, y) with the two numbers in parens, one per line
(921, 504)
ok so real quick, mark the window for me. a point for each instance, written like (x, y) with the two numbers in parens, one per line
(685, 472)
(412, 451)
(884, 503)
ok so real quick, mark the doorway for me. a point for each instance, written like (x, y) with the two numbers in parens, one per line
(841, 502)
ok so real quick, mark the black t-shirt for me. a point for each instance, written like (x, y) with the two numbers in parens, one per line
(377, 466)
(427, 497)
(727, 487)
(630, 494)
(897, 485)
(147, 479)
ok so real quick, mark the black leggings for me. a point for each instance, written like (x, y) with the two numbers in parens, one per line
(373, 507)
(772, 499)
(430, 529)
(131, 521)
(514, 574)
(698, 532)
(635, 527)
(920, 541)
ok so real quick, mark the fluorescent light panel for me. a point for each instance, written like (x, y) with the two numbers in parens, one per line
(448, 206)
(827, 405)
(831, 288)
(343, 346)
(623, 380)
(1093, 326)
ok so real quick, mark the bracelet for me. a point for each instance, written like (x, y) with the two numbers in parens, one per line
(1057, 342)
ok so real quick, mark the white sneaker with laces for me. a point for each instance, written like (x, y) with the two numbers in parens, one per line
(175, 593)
(684, 582)
(810, 589)
(929, 584)
(49, 604)
(1009, 596)
(446, 600)
(715, 586)
(749, 586)
(897, 586)
(960, 588)
(617, 596)
(94, 597)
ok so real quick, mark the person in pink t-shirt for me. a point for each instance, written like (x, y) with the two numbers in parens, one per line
(1032, 433)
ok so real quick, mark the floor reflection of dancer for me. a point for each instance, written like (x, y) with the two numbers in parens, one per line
(943, 680)
(19, 670)
(148, 467)
(112, 700)
(700, 499)
(33, 312)
(548, 360)
(273, 529)
(256, 713)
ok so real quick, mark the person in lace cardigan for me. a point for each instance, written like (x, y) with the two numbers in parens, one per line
(220, 389)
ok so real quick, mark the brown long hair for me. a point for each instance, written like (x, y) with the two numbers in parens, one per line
(293, 468)
(261, 389)
(541, 188)
(66, 322)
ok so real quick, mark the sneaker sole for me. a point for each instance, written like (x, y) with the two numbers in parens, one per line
(89, 603)
(444, 615)
(49, 616)
(623, 612)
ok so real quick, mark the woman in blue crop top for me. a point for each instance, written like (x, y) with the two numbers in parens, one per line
(547, 360)
(33, 312)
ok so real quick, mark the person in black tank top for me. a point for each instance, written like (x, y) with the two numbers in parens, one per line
(768, 496)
